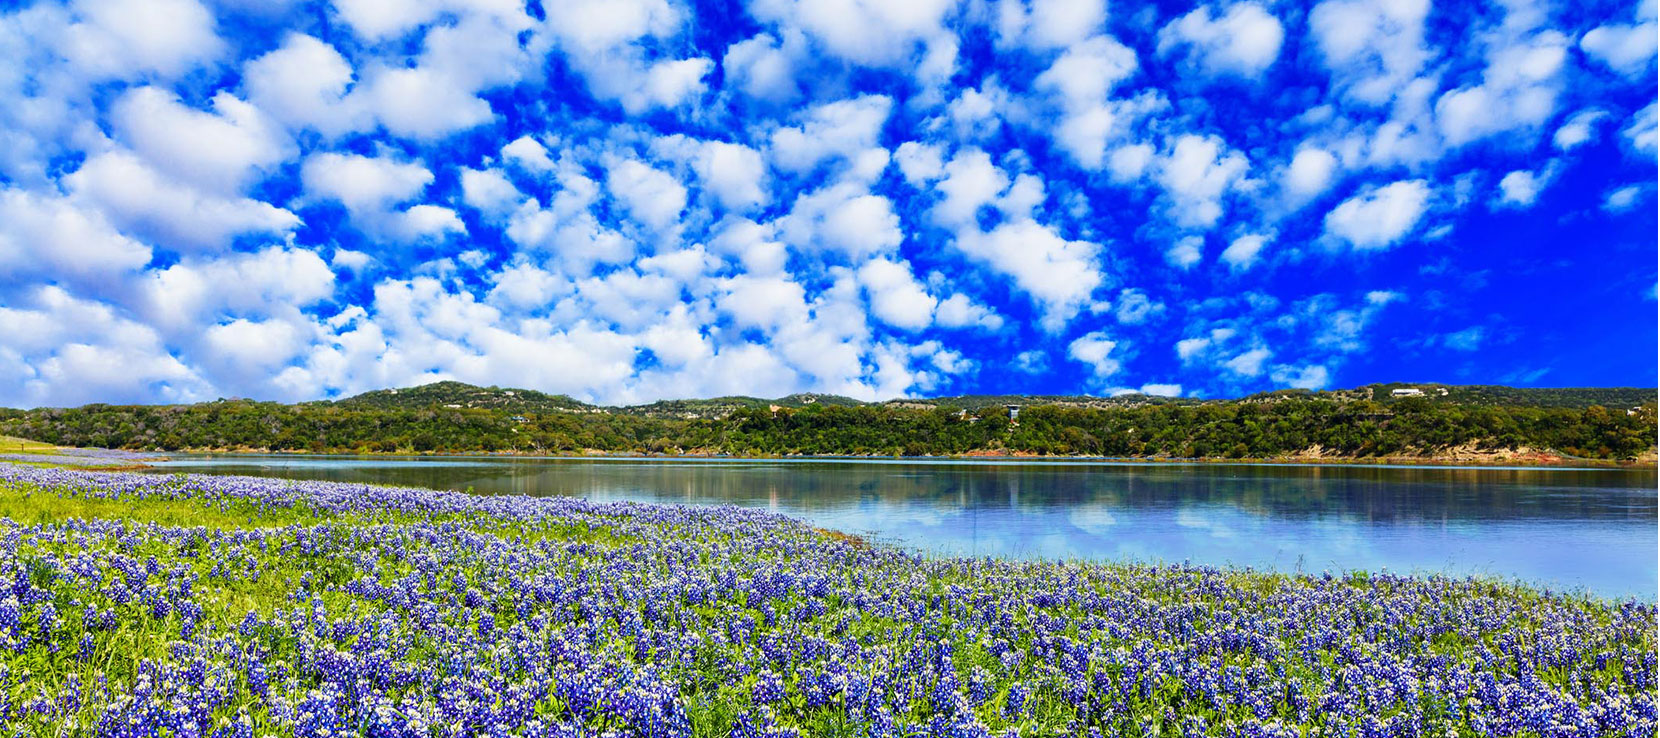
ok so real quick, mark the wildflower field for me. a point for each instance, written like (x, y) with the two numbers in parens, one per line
(138, 605)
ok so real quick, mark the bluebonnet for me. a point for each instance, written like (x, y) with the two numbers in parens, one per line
(409, 612)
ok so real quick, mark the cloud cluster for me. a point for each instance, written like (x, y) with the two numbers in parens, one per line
(635, 199)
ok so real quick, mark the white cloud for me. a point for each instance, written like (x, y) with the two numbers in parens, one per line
(1379, 217)
(974, 114)
(51, 238)
(275, 280)
(1622, 199)
(371, 189)
(525, 286)
(253, 346)
(1095, 349)
(1312, 377)
(1080, 81)
(528, 153)
(423, 103)
(1086, 73)
(971, 181)
(735, 173)
(594, 27)
(1244, 40)
(421, 221)
(958, 311)
(489, 192)
(1196, 173)
(1641, 131)
(1249, 363)
(1161, 390)
(1243, 251)
(1468, 339)
(1189, 348)
(1627, 49)
(840, 129)
(350, 260)
(653, 197)
(896, 297)
(1135, 307)
(629, 299)
(1059, 274)
(118, 39)
(65, 351)
(1518, 91)
(762, 302)
(752, 244)
(869, 32)
(363, 184)
(678, 341)
(1372, 47)
(1048, 24)
(919, 163)
(1128, 162)
(1310, 172)
(227, 149)
(672, 82)
(304, 83)
(844, 218)
(1185, 252)
(375, 20)
(607, 42)
(685, 266)
(1519, 189)
(761, 68)
(148, 203)
(568, 228)
(419, 329)
(1578, 130)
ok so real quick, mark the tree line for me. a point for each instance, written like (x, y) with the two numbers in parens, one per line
(1224, 429)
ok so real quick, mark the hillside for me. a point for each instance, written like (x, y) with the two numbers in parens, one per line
(979, 402)
(459, 395)
(1465, 423)
(720, 407)
(1492, 395)
(453, 395)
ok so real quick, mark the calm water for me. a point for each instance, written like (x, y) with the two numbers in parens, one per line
(1565, 529)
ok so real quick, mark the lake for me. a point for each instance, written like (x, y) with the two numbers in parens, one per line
(1591, 529)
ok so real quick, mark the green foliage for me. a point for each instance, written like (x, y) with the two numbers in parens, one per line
(462, 395)
(1579, 398)
(1264, 426)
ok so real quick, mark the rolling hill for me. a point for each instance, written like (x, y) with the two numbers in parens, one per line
(1425, 421)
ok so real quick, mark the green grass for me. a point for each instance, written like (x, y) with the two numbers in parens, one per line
(27, 504)
(13, 445)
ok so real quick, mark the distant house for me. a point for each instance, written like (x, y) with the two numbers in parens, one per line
(1014, 411)
(1407, 392)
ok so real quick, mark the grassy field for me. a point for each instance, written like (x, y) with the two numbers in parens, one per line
(219, 606)
(11, 445)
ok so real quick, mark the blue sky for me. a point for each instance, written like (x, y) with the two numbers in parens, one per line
(627, 200)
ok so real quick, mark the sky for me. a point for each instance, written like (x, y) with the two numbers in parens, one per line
(629, 200)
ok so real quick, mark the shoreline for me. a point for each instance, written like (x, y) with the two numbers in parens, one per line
(1496, 461)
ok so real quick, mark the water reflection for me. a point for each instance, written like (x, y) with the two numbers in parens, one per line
(1593, 529)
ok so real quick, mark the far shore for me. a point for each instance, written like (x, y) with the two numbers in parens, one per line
(1485, 460)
